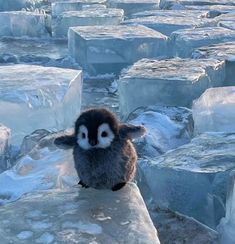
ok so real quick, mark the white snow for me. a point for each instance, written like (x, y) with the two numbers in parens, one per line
(171, 82)
(30, 93)
(214, 110)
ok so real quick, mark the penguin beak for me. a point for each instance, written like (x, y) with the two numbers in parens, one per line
(92, 142)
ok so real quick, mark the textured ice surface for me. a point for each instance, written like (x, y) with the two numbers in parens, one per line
(192, 179)
(227, 224)
(22, 23)
(73, 5)
(171, 82)
(18, 4)
(219, 9)
(168, 4)
(184, 41)
(42, 170)
(79, 216)
(224, 52)
(215, 110)
(44, 52)
(133, 6)
(167, 22)
(109, 16)
(4, 140)
(34, 97)
(167, 128)
(107, 49)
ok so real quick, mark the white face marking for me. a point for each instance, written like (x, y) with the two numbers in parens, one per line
(82, 137)
(105, 136)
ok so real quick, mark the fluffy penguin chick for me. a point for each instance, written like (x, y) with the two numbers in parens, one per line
(104, 155)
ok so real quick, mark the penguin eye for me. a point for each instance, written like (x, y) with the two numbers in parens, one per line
(104, 134)
(83, 135)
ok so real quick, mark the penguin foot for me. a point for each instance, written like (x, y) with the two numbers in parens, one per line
(118, 186)
(82, 184)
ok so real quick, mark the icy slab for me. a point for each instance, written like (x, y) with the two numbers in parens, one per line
(108, 49)
(167, 128)
(4, 140)
(32, 51)
(219, 9)
(168, 4)
(30, 93)
(169, 21)
(215, 110)
(13, 5)
(22, 23)
(109, 16)
(224, 52)
(60, 7)
(176, 228)
(192, 179)
(184, 41)
(228, 24)
(171, 82)
(227, 224)
(133, 6)
(86, 216)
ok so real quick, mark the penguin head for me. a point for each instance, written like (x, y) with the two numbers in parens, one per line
(98, 128)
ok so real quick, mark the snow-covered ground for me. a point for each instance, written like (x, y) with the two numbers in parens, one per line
(143, 59)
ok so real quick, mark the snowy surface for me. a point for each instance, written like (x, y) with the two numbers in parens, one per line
(79, 216)
(107, 49)
(172, 82)
(39, 92)
(224, 52)
(192, 179)
(133, 6)
(99, 16)
(18, 4)
(167, 128)
(22, 23)
(184, 41)
(74, 5)
(215, 110)
(4, 143)
(227, 224)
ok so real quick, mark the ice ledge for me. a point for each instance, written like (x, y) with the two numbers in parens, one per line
(78, 216)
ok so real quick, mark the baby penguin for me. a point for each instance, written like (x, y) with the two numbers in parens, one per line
(104, 155)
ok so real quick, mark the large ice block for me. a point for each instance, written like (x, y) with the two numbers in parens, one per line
(73, 5)
(133, 6)
(192, 179)
(227, 224)
(109, 16)
(171, 82)
(167, 22)
(4, 140)
(167, 128)
(22, 23)
(184, 41)
(79, 216)
(108, 49)
(13, 5)
(34, 97)
(34, 51)
(215, 110)
(224, 52)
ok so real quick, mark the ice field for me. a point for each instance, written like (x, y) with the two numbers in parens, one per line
(166, 64)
